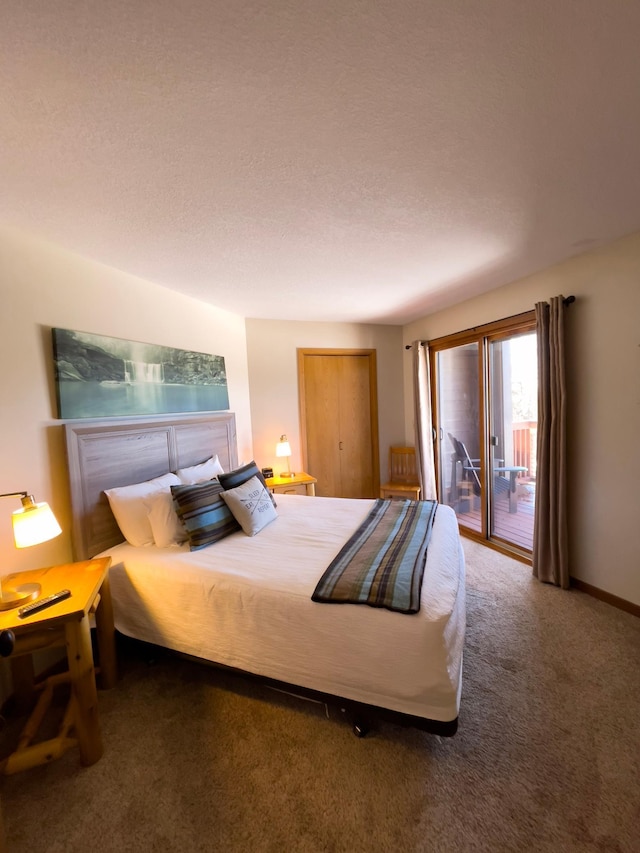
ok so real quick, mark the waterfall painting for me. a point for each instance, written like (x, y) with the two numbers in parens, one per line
(97, 376)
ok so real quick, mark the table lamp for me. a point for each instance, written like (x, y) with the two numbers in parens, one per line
(283, 448)
(32, 524)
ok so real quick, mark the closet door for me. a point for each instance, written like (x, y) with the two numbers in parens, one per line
(338, 413)
(355, 445)
(320, 426)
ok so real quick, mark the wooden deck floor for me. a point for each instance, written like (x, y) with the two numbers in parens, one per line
(516, 528)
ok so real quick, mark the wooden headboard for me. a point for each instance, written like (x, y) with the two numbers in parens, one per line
(109, 453)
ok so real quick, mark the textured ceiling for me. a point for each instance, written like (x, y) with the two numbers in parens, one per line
(340, 160)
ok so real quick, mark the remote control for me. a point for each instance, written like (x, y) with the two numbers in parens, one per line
(36, 606)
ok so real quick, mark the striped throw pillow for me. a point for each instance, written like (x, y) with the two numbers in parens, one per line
(235, 478)
(206, 516)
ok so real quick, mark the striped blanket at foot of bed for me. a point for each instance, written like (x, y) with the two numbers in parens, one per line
(383, 562)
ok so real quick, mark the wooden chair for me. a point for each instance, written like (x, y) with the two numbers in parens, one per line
(403, 478)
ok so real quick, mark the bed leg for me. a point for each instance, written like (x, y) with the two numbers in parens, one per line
(359, 723)
(360, 728)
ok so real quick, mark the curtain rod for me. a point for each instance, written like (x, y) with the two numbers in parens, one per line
(566, 300)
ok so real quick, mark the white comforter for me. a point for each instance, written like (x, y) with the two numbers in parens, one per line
(246, 602)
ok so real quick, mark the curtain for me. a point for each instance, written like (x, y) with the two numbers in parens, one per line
(425, 461)
(550, 551)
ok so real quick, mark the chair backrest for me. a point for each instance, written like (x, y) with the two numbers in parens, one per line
(468, 464)
(402, 465)
(457, 447)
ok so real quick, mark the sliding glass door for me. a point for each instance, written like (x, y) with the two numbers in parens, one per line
(459, 431)
(513, 397)
(485, 395)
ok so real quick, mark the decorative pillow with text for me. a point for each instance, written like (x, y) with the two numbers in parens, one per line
(251, 506)
(240, 475)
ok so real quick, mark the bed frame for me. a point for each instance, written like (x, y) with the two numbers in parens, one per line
(109, 453)
(105, 454)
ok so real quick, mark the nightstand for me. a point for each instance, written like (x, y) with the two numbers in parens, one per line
(65, 623)
(299, 484)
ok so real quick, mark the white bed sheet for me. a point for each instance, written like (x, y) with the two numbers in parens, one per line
(246, 602)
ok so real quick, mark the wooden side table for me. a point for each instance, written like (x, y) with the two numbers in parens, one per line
(67, 623)
(299, 484)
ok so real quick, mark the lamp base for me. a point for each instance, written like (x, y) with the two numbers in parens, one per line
(287, 474)
(11, 597)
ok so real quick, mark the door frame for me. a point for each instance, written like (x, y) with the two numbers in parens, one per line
(370, 354)
(482, 335)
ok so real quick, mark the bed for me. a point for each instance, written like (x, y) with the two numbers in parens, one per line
(245, 601)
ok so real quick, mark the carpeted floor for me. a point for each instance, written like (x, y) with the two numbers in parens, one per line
(547, 756)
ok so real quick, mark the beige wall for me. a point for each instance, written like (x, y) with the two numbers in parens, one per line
(42, 287)
(603, 353)
(273, 380)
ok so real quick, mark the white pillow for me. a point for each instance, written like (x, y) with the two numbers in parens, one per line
(251, 506)
(200, 473)
(166, 527)
(128, 507)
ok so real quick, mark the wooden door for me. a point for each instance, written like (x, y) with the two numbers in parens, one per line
(339, 419)
(320, 434)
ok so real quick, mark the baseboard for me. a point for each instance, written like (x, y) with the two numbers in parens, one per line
(607, 597)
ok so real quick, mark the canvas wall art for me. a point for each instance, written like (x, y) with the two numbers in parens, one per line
(98, 376)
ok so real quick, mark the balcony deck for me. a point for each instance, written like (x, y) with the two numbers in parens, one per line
(514, 527)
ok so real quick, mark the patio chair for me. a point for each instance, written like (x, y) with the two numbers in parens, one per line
(504, 482)
(470, 467)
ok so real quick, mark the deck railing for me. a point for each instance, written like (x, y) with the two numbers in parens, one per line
(525, 436)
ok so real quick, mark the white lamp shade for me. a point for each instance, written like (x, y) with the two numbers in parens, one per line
(34, 524)
(283, 448)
